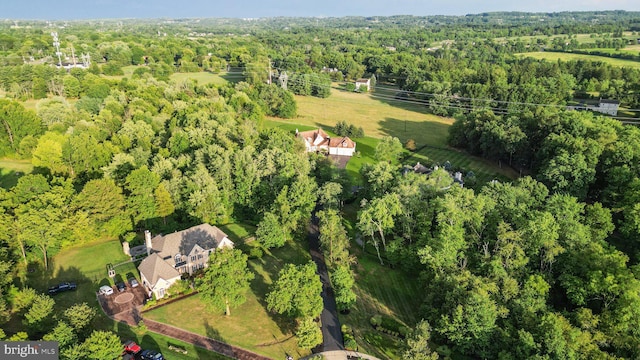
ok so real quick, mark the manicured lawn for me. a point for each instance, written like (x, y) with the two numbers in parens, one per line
(238, 232)
(555, 56)
(381, 290)
(86, 265)
(484, 170)
(250, 325)
(11, 170)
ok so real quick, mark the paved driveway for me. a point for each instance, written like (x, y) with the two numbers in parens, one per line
(126, 302)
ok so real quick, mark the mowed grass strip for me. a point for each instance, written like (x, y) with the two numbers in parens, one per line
(385, 291)
(250, 325)
(484, 170)
(555, 56)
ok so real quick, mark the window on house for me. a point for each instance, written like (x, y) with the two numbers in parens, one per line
(193, 258)
(199, 256)
(160, 293)
(178, 258)
(193, 268)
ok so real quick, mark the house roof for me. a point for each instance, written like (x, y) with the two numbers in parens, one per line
(363, 80)
(343, 142)
(182, 242)
(320, 138)
(153, 267)
(313, 136)
(607, 101)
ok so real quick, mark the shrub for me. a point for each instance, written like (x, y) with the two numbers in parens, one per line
(410, 145)
(255, 253)
(376, 320)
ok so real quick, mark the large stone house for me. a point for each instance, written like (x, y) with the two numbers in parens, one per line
(318, 140)
(181, 252)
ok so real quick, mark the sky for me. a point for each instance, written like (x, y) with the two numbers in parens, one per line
(102, 9)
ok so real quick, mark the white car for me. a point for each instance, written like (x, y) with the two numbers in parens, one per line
(106, 290)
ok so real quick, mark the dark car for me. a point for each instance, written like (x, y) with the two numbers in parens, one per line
(151, 355)
(62, 287)
(130, 347)
(121, 286)
(133, 282)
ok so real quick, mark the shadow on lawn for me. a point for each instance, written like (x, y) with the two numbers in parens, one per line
(420, 131)
(260, 288)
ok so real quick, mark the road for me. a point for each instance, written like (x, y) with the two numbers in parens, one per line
(331, 333)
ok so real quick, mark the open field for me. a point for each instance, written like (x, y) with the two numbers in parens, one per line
(204, 78)
(555, 56)
(250, 325)
(11, 170)
(378, 118)
(382, 118)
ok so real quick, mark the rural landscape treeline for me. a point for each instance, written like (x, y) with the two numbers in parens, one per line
(173, 123)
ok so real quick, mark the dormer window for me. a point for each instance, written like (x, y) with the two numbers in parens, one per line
(178, 258)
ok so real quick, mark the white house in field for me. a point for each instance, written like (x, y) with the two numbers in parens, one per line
(181, 252)
(318, 140)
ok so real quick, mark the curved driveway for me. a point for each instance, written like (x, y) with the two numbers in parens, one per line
(331, 333)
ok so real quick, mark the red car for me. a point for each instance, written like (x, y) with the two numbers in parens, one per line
(130, 347)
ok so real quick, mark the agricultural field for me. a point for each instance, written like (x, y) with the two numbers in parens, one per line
(555, 56)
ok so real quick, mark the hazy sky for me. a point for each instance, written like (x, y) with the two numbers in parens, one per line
(83, 9)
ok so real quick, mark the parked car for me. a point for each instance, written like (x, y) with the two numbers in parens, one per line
(62, 287)
(121, 286)
(133, 282)
(130, 347)
(106, 290)
(151, 355)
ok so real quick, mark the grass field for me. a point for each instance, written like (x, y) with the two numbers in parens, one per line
(11, 170)
(380, 118)
(204, 78)
(555, 56)
(250, 325)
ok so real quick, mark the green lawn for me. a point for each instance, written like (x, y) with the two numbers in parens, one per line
(378, 118)
(11, 170)
(86, 265)
(484, 170)
(555, 56)
(250, 325)
(381, 290)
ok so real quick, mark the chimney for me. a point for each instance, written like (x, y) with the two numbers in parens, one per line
(147, 241)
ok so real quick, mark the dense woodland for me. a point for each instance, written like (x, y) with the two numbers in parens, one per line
(545, 266)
